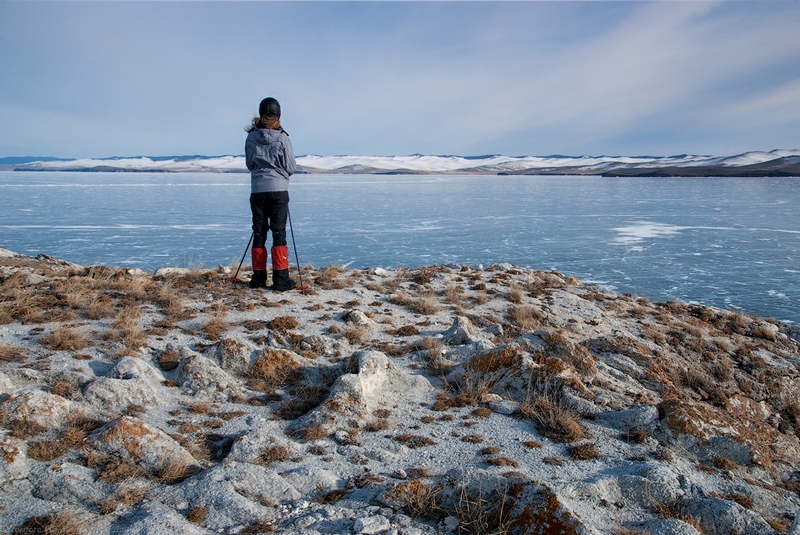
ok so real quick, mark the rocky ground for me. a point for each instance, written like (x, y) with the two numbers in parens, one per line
(445, 399)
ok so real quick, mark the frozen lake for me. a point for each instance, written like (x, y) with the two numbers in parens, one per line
(729, 242)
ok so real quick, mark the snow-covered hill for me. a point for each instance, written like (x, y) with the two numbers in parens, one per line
(758, 162)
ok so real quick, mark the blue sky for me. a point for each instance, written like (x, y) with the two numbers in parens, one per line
(98, 79)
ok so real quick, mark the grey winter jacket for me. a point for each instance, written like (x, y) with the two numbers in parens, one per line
(270, 159)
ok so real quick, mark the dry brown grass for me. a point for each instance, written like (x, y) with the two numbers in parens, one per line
(64, 338)
(304, 398)
(283, 323)
(724, 463)
(216, 325)
(13, 353)
(553, 419)
(53, 524)
(127, 329)
(584, 452)
(66, 388)
(276, 367)
(274, 454)
(454, 293)
(426, 303)
(356, 334)
(112, 468)
(515, 293)
(414, 441)
(177, 469)
(169, 360)
(526, 317)
(380, 424)
(196, 515)
(532, 444)
(259, 526)
(46, 450)
(490, 450)
(313, 432)
(472, 439)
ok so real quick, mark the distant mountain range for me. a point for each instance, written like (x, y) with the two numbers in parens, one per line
(756, 163)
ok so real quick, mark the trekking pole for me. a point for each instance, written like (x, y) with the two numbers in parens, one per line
(235, 277)
(296, 257)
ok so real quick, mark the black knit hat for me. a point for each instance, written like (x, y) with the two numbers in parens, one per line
(269, 106)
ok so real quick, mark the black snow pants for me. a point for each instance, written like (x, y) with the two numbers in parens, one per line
(270, 209)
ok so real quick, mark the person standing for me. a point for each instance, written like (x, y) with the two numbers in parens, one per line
(270, 159)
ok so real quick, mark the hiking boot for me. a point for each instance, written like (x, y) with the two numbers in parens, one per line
(281, 281)
(259, 279)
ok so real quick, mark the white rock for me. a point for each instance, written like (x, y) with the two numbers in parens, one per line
(13, 461)
(462, 332)
(7, 386)
(670, 527)
(36, 407)
(166, 271)
(451, 523)
(723, 517)
(359, 319)
(155, 518)
(371, 525)
(233, 356)
(68, 483)
(381, 272)
(503, 406)
(234, 494)
(199, 375)
(147, 446)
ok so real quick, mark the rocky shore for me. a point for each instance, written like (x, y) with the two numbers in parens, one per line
(443, 399)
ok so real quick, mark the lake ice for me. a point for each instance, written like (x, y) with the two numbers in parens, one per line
(729, 242)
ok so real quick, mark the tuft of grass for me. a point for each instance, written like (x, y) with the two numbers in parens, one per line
(414, 441)
(196, 515)
(313, 432)
(553, 420)
(332, 496)
(46, 450)
(276, 367)
(526, 317)
(515, 293)
(12, 353)
(65, 339)
(216, 326)
(503, 461)
(112, 468)
(724, 463)
(482, 412)
(356, 334)
(473, 439)
(283, 323)
(380, 424)
(532, 444)
(53, 524)
(584, 452)
(169, 360)
(490, 450)
(274, 454)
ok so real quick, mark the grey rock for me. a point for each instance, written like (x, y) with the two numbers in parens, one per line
(233, 493)
(660, 485)
(199, 375)
(723, 517)
(147, 446)
(68, 483)
(36, 407)
(155, 518)
(462, 332)
(670, 526)
(233, 356)
(359, 319)
(371, 525)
